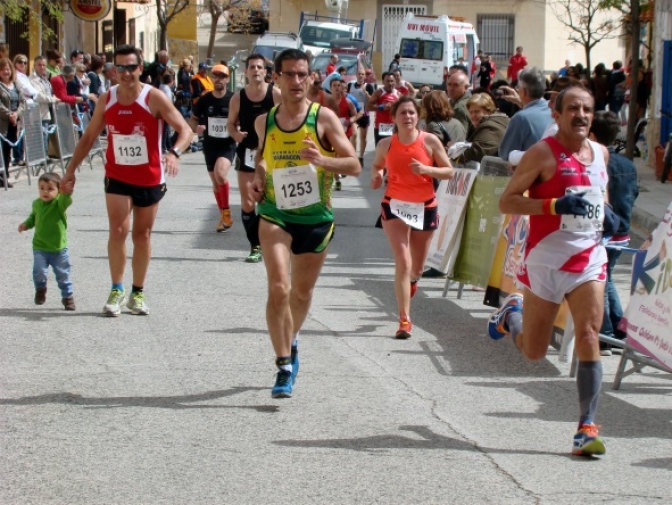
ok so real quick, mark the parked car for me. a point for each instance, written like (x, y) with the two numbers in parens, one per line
(348, 60)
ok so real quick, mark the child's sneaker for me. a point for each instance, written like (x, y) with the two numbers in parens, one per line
(137, 304)
(114, 302)
(40, 296)
(69, 303)
(497, 327)
(587, 441)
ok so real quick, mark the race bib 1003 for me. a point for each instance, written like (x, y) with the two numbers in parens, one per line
(385, 129)
(130, 150)
(295, 187)
(413, 214)
(217, 127)
(594, 217)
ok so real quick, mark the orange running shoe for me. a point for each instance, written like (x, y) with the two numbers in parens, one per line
(405, 328)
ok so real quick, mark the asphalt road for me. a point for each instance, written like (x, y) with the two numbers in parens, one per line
(175, 407)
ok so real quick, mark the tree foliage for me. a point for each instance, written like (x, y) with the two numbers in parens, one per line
(589, 21)
(237, 14)
(17, 10)
(166, 10)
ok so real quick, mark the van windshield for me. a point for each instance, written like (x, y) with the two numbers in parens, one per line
(421, 49)
(321, 37)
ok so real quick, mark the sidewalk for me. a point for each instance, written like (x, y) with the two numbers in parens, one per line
(654, 198)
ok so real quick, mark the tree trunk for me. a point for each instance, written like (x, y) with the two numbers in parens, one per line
(634, 79)
(588, 67)
(163, 37)
(214, 18)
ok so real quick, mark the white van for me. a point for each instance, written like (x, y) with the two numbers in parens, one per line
(317, 35)
(429, 45)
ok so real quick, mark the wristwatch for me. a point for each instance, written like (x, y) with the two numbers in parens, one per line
(175, 151)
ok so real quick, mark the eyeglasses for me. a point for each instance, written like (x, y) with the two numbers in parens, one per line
(131, 68)
(220, 76)
(22, 62)
(425, 91)
(291, 75)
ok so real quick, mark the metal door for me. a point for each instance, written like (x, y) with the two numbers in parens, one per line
(392, 18)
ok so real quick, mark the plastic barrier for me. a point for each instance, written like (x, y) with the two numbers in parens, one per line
(62, 144)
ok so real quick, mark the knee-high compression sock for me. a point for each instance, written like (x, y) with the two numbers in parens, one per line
(589, 382)
(218, 199)
(251, 225)
(224, 195)
(515, 323)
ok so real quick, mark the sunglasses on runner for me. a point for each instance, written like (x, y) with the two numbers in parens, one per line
(131, 68)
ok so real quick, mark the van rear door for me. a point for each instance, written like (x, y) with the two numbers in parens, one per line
(422, 60)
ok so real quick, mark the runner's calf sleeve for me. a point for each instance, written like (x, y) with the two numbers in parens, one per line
(588, 381)
(224, 195)
(251, 225)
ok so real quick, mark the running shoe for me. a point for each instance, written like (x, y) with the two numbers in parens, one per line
(405, 328)
(283, 385)
(587, 441)
(225, 222)
(338, 185)
(114, 302)
(295, 362)
(497, 326)
(254, 256)
(414, 288)
(137, 304)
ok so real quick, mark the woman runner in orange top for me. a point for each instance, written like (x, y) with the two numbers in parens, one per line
(409, 208)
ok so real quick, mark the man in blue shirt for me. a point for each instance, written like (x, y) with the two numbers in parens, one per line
(527, 126)
(623, 191)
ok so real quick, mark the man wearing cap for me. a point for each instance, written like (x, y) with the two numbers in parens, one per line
(209, 118)
(201, 83)
(255, 99)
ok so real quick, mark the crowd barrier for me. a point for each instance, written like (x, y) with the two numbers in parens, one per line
(10, 170)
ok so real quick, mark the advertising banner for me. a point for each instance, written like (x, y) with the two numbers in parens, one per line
(91, 10)
(452, 198)
(648, 318)
(481, 231)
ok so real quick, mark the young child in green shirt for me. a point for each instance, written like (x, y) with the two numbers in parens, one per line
(50, 242)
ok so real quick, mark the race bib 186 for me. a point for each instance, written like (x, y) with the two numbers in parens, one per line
(217, 127)
(130, 150)
(295, 187)
(413, 214)
(594, 217)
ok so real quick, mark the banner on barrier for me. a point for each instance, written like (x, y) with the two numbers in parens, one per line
(452, 198)
(481, 231)
(648, 318)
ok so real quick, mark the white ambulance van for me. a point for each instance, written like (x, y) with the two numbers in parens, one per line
(429, 45)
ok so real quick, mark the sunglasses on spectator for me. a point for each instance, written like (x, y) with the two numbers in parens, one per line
(131, 68)
(220, 76)
(23, 62)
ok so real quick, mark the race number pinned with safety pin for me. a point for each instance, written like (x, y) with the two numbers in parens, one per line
(385, 129)
(130, 150)
(296, 187)
(249, 158)
(594, 217)
(217, 127)
(413, 214)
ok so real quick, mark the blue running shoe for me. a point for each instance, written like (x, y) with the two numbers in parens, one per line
(283, 385)
(587, 441)
(295, 363)
(497, 327)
